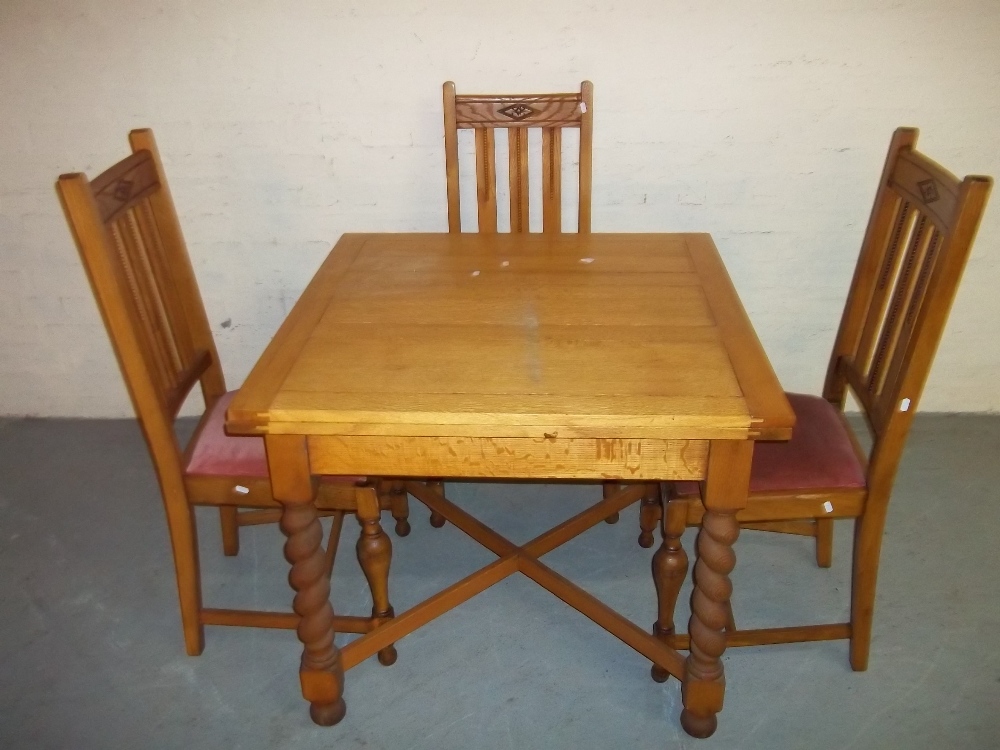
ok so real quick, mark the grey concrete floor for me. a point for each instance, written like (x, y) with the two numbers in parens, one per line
(91, 654)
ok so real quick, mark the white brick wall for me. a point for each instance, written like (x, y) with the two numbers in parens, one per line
(283, 125)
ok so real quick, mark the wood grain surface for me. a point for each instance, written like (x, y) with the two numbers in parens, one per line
(537, 351)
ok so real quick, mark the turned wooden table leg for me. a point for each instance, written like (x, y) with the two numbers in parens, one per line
(437, 520)
(725, 493)
(400, 508)
(375, 555)
(670, 565)
(321, 672)
(610, 489)
(650, 512)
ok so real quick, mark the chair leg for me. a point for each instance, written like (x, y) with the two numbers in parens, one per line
(610, 489)
(229, 518)
(867, 548)
(400, 508)
(670, 565)
(650, 513)
(375, 555)
(824, 542)
(730, 619)
(437, 520)
(184, 544)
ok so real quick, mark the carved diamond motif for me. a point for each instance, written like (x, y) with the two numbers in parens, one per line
(928, 191)
(517, 111)
(123, 189)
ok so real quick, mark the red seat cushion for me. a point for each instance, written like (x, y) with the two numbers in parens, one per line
(220, 455)
(820, 454)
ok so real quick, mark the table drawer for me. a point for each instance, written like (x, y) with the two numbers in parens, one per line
(509, 458)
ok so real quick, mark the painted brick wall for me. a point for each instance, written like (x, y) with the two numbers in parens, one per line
(284, 124)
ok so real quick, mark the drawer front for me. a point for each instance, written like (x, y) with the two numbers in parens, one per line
(509, 458)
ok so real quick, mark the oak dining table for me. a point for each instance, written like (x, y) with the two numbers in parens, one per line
(616, 358)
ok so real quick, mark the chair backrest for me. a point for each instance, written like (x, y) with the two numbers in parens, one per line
(915, 248)
(517, 114)
(131, 245)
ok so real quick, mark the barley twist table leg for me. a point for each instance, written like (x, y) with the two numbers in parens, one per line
(704, 682)
(321, 672)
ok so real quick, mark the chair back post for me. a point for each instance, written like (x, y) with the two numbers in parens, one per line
(916, 246)
(108, 285)
(213, 382)
(126, 231)
(865, 271)
(516, 114)
(899, 403)
(451, 158)
(586, 155)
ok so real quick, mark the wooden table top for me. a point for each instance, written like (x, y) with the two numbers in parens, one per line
(574, 335)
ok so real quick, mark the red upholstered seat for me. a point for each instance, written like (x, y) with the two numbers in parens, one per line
(220, 455)
(820, 454)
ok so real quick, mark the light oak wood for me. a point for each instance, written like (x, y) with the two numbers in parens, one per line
(527, 369)
(552, 180)
(278, 620)
(401, 367)
(358, 650)
(483, 114)
(650, 513)
(513, 458)
(547, 113)
(918, 239)
(321, 673)
(759, 384)
(670, 566)
(726, 484)
(527, 563)
(823, 531)
(375, 555)
(517, 158)
(796, 527)
(778, 506)
(486, 171)
(770, 636)
(130, 241)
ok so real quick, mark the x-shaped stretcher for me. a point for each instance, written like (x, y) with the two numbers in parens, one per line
(515, 558)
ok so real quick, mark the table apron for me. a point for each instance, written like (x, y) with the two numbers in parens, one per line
(509, 458)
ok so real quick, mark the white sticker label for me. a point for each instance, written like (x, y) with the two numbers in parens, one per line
(505, 263)
(904, 405)
(586, 260)
(828, 506)
(583, 107)
(241, 489)
(475, 273)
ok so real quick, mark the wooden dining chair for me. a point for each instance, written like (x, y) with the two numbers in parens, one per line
(130, 241)
(915, 248)
(483, 114)
(517, 114)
